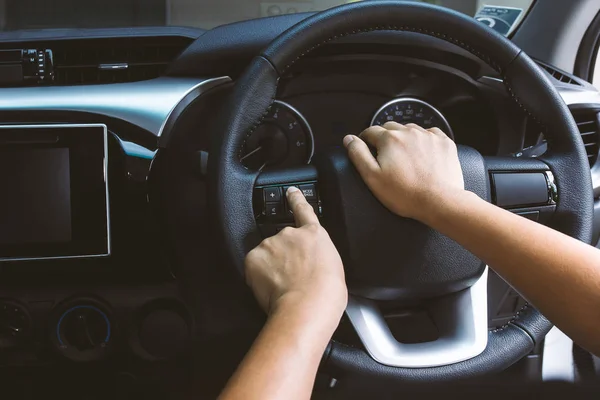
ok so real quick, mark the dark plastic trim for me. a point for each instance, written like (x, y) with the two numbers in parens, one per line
(35, 35)
(513, 190)
(588, 51)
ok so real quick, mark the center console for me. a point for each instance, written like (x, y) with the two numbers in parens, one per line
(85, 290)
(55, 202)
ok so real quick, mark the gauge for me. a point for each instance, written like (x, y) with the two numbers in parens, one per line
(284, 139)
(412, 111)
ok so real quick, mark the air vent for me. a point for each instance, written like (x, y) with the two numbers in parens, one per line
(558, 75)
(587, 122)
(114, 60)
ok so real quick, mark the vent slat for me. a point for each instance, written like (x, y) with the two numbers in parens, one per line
(95, 66)
(590, 122)
(587, 123)
(559, 76)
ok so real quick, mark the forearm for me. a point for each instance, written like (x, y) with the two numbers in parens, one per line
(283, 361)
(550, 269)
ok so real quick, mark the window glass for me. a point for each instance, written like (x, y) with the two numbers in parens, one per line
(38, 14)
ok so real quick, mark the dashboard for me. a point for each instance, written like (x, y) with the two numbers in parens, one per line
(125, 276)
(318, 107)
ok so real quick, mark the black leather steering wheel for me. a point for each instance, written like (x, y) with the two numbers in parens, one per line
(387, 257)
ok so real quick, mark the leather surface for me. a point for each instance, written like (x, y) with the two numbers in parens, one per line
(354, 18)
(387, 257)
(566, 155)
(226, 49)
(505, 347)
(231, 184)
(533, 322)
(255, 90)
(299, 174)
(512, 164)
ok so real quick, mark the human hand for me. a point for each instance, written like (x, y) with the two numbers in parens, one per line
(414, 169)
(299, 267)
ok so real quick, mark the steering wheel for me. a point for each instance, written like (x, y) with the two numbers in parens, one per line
(391, 258)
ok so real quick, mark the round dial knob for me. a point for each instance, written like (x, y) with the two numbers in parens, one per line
(164, 333)
(85, 328)
(83, 332)
(14, 325)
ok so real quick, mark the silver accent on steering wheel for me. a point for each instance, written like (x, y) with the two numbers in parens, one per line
(461, 318)
(552, 189)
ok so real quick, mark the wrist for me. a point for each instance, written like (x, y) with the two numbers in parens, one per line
(436, 208)
(317, 311)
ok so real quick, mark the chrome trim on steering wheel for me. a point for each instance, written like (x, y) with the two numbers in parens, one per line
(461, 318)
(552, 189)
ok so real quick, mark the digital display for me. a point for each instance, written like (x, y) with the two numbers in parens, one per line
(503, 20)
(54, 199)
(35, 206)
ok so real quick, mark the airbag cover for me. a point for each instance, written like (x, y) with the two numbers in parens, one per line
(388, 257)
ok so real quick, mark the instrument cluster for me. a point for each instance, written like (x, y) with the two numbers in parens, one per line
(286, 139)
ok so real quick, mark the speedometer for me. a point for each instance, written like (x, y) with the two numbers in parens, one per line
(406, 110)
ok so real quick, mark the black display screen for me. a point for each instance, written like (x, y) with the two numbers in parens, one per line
(35, 206)
(54, 201)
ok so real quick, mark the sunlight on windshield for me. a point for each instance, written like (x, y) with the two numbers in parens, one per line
(39, 14)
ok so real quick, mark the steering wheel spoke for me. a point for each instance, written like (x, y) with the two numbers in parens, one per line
(271, 210)
(525, 186)
(460, 318)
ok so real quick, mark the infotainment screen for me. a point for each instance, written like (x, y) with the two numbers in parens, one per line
(54, 201)
(36, 205)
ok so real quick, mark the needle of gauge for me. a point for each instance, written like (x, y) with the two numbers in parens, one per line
(252, 152)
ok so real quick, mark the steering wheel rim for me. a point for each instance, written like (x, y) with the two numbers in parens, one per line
(255, 92)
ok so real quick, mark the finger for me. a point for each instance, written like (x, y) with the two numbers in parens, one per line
(303, 212)
(361, 157)
(393, 126)
(373, 135)
(437, 132)
(417, 127)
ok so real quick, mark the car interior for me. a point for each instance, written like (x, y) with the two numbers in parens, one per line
(146, 146)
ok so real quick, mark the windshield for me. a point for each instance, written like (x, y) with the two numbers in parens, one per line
(206, 14)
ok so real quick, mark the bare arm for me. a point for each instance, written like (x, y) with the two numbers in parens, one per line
(417, 175)
(298, 278)
(283, 361)
(556, 273)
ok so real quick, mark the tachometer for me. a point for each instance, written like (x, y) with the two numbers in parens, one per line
(407, 110)
(284, 139)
